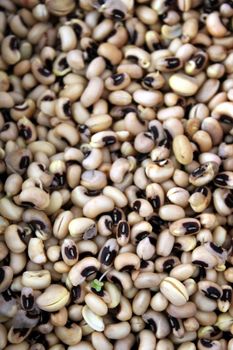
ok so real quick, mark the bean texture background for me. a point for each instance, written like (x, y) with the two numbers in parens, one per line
(116, 175)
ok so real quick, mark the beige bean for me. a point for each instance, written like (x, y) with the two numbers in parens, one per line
(174, 291)
(182, 149)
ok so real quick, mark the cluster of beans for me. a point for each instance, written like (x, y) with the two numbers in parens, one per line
(116, 168)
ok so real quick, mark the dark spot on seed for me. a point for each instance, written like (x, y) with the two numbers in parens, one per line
(200, 263)
(168, 265)
(229, 200)
(71, 252)
(226, 119)
(75, 293)
(203, 190)
(172, 62)
(226, 294)
(14, 43)
(140, 236)
(191, 227)
(88, 271)
(107, 256)
(24, 162)
(78, 30)
(154, 131)
(27, 302)
(116, 215)
(157, 223)
(8, 295)
(174, 323)
(25, 133)
(221, 179)
(152, 324)
(148, 81)
(118, 15)
(133, 37)
(199, 60)
(217, 249)
(152, 240)
(127, 268)
(143, 264)
(212, 293)
(118, 79)
(206, 343)
(63, 64)
(199, 171)
(156, 203)
(44, 71)
(67, 108)
(123, 229)
(116, 280)
(2, 274)
(137, 206)
(109, 140)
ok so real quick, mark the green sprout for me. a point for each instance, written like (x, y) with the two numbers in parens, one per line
(97, 285)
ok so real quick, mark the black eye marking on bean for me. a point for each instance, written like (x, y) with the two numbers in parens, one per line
(200, 263)
(143, 264)
(109, 140)
(154, 131)
(217, 249)
(2, 274)
(123, 229)
(148, 81)
(27, 302)
(88, 271)
(127, 268)
(168, 265)
(25, 132)
(137, 205)
(71, 252)
(174, 323)
(172, 62)
(203, 190)
(24, 162)
(199, 60)
(118, 79)
(226, 294)
(212, 293)
(107, 256)
(221, 179)
(14, 43)
(75, 292)
(118, 14)
(141, 235)
(207, 343)
(191, 227)
(152, 324)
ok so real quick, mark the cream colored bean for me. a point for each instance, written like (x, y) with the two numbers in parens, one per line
(174, 291)
(182, 149)
(171, 212)
(117, 331)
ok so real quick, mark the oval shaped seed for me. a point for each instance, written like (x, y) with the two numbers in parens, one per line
(171, 212)
(117, 330)
(92, 319)
(97, 206)
(182, 149)
(183, 85)
(174, 291)
(96, 304)
(187, 226)
(53, 298)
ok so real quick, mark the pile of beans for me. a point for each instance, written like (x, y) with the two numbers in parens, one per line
(116, 168)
